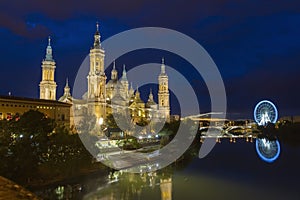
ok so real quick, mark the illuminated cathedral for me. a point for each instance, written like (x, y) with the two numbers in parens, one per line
(101, 92)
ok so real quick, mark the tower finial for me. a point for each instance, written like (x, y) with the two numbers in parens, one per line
(49, 51)
(67, 82)
(67, 92)
(97, 36)
(137, 92)
(124, 75)
(114, 72)
(49, 40)
(150, 98)
(97, 26)
(163, 67)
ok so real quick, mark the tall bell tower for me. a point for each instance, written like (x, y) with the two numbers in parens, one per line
(97, 80)
(47, 84)
(163, 93)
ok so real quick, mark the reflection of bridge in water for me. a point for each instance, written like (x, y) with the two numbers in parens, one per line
(232, 133)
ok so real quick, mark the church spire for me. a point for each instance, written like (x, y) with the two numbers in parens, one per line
(67, 88)
(114, 72)
(163, 67)
(67, 83)
(150, 98)
(131, 90)
(48, 84)
(163, 92)
(49, 51)
(114, 65)
(67, 94)
(137, 94)
(97, 27)
(97, 37)
(124, 74)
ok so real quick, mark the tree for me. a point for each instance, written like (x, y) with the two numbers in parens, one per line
(110, 121)
(26, 140)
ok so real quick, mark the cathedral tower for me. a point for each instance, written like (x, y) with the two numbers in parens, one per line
(47, 84)
(125, 84)
(97, 80)
(163, 93)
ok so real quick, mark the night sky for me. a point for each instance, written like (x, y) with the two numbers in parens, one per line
(255, 44)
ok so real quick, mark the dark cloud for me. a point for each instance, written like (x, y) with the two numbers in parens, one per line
(255, 44)
(13, 13)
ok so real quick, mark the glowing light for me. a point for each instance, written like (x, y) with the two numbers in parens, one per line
(100, 121)
(267, 150)
(264, 112)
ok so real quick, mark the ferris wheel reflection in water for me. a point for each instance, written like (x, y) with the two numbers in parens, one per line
(266, 112)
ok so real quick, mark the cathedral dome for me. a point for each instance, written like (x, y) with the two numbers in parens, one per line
(67, 98)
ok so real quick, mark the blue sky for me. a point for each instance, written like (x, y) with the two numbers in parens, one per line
(255, 44)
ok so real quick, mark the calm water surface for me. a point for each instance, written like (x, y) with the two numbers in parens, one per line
(230, 171)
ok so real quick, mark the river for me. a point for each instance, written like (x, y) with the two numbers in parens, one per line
(229, 171)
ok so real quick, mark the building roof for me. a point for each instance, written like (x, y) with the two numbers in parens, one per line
(32, 100)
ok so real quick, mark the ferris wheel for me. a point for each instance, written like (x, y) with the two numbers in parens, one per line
(265, 112)
(267, 150)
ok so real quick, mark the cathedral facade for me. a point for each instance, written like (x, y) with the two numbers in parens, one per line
(105, 94)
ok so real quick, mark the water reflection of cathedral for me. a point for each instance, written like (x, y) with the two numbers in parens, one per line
(133, 186)
(100, 93)
(166, 188)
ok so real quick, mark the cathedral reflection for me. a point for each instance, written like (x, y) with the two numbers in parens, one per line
(122, 185)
